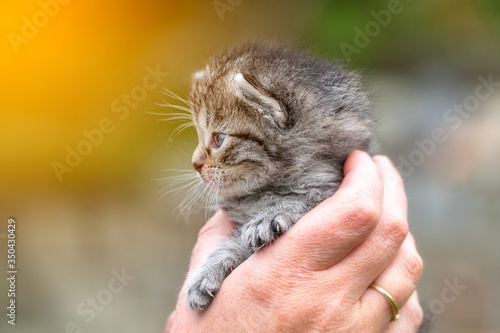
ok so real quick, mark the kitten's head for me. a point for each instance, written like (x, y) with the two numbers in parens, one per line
(258, 109)
(233, 154)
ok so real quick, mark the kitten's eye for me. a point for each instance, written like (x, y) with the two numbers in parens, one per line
(219, 139)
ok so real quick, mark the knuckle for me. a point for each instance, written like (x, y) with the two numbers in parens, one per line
(414, 265)
(364, 212)
(258, 285)
(416, 314)
(333, 308)
(252, 286)
(396, 229)
(418, 317)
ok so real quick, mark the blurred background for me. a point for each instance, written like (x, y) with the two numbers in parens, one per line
(79, 147)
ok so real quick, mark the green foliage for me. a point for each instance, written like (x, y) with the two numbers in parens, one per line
(422, 31)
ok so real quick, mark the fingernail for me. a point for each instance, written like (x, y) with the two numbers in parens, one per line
(363, 153)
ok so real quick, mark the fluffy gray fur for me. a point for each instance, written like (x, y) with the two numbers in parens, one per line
(287, 122)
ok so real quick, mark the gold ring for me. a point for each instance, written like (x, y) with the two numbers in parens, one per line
(389, 298)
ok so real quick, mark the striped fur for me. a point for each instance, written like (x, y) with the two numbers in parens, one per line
(290, 122)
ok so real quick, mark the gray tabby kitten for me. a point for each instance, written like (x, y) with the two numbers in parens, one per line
(275, 127)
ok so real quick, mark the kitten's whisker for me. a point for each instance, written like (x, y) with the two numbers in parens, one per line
(185, 116)
(176, 178)
(176, 119)
(216, 197)
(174, 106)
(171, 94)
(206, 199)
(180, 171)
(172, 116)
(171, 112)
(180, 128)
(211, 205)
(184, 208)
(177, 183)
(201, 197)
(177, 190)
(193, 199)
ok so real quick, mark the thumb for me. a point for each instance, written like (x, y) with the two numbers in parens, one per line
(170, 322)
(212, 234)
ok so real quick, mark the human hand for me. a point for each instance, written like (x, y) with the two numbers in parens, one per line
(316, 277)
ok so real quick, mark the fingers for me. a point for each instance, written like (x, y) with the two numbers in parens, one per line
(330, 231)
(370, 258)
(400, 279)
(411, 317)
(395, 203)
(212, 234)
(170, 322)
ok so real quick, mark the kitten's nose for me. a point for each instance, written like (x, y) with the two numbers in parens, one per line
(197, 165)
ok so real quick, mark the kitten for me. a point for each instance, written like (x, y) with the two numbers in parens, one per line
(274, 127)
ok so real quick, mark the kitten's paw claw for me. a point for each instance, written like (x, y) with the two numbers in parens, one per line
(201, 293)
(262, 231)
(207, 281)
(280, 224)
(199, 299)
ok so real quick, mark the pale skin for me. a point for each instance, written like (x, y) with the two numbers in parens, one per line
(316, 277)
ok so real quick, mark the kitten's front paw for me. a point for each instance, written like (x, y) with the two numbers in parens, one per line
(262, 230)
(207, 281)
(201, 292)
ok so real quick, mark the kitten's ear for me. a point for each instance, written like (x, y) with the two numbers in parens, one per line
(267, 106)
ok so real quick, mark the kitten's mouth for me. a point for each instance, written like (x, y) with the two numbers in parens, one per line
(214, 182)
(219, 186)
